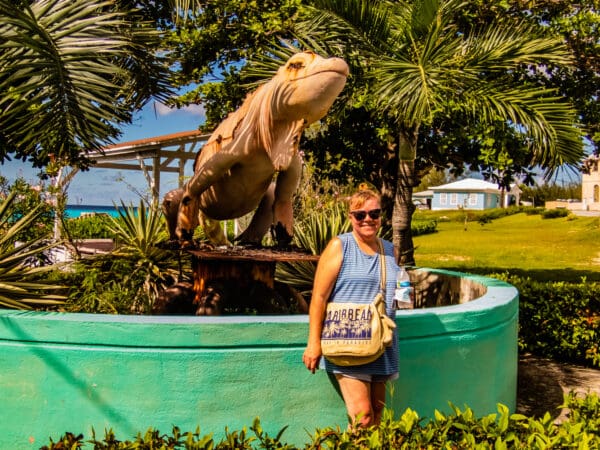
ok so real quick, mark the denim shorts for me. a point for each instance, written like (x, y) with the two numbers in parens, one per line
(368, 377)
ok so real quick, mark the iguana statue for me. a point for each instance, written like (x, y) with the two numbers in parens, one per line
(251, 160)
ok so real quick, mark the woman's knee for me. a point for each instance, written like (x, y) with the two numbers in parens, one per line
(365, 418)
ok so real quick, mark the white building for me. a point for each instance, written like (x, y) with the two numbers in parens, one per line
(472, 193)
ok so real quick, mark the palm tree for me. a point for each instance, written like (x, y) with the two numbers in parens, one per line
(72, 71)
(418, 66)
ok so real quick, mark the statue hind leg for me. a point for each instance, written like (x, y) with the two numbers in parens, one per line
(261, 220)
(213, 230)
(283, 213)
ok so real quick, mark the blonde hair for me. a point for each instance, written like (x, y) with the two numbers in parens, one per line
(359, 198)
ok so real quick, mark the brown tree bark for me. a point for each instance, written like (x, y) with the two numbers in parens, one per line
(403, 205)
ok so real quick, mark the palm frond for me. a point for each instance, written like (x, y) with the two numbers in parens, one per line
(21, 285)
(63, 67)
(350, 22)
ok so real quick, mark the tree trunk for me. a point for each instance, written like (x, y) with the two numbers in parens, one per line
(403, 205)
(388, 173)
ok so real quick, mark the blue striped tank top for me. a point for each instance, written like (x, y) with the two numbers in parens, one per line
(358, 282)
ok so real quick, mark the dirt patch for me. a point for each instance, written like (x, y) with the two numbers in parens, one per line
(542, 384)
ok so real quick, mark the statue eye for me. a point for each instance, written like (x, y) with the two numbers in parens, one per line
(295, 65)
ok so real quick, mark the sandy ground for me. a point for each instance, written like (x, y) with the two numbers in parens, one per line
(542, 384)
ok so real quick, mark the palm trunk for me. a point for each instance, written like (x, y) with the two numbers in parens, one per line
(403, 205)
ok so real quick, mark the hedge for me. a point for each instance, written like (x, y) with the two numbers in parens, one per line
(559, 320)
(459, 430)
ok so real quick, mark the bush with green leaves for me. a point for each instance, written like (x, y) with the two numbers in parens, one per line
(533, 210)
(23, 272)
(421, 227)
(555, 213)
(461, 429)
(96, 226)
(559, 320)
(26, 198)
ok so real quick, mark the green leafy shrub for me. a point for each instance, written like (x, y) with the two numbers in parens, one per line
(555, 213)
(459, 430)
(467, 215)
(489, 215)
(584, 409)
(421, 227)
(559, 320)
(533, 210)
(89, 227)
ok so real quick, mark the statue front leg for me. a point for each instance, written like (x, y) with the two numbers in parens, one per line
(283, 213)
(170, 208)
(204, 176)
(187, 220)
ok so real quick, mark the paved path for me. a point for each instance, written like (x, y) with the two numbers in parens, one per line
(543, 382)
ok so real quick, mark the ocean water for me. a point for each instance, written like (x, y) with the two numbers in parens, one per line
(75, 211)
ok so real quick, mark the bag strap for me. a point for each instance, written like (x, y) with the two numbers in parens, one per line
(381, 267)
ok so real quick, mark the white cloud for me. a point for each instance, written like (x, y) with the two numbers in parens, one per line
(164, 110)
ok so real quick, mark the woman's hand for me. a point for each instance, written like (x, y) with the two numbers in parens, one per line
(312, 357)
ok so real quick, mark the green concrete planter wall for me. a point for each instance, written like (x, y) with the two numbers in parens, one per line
(71, 372)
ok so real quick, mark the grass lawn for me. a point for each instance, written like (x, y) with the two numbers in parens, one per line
(528, 245)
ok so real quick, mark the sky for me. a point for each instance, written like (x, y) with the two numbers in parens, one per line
(109, 187)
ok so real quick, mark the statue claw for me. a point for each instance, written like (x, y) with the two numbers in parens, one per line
(281, 237)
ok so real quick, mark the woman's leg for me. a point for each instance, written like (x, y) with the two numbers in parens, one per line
(378, 389)
(357, 396)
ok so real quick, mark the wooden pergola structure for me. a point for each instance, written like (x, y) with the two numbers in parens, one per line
(167, 153)
(153, 156)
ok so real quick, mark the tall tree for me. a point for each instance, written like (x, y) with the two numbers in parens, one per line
(420, 67)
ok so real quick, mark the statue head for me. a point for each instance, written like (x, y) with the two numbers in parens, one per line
(174, 204)
(306, 86)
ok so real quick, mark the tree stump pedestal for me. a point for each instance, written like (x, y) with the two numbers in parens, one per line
(238, 277)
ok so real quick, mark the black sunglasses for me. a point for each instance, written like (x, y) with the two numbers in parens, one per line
(360, 214)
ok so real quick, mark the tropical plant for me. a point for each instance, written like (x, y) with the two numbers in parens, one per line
(27, 198)
(577, 24)
(313, 233)
(137, 238)
(458, 429)
(130, 278)
(22, 284)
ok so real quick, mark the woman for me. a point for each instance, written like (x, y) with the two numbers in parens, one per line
(348, 271)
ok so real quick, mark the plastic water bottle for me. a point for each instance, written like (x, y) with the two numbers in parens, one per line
(403, 295)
